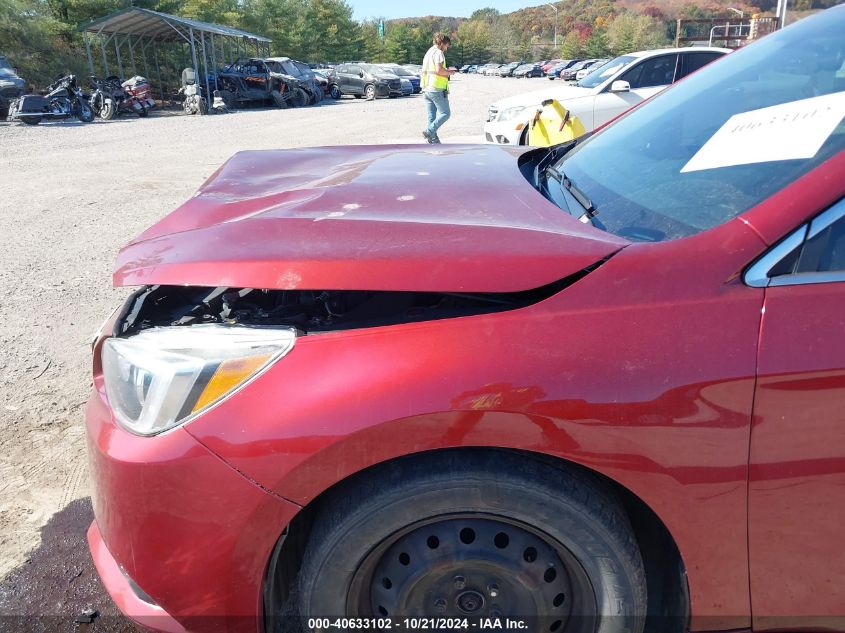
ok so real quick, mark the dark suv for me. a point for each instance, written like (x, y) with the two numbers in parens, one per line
(11, 86)
(368, 81)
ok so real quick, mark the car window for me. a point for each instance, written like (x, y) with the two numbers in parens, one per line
(657, 71)
(639, 172)
(355, 70)
(824, 250)
(690, 62)
(604, 72)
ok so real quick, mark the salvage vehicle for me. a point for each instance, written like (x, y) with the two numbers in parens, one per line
(64, 99)
(368, 81)
(301, 73)
(329, 82)
(601, 96)
(249, 81)
(11, 86)
(192, 100)
(592, 388)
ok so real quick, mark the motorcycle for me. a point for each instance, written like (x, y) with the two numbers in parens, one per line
(194, 102)
(138, 88)
(107, 96)
(64, 99)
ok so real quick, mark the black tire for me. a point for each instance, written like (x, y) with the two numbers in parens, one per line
(202, 106)
(278, 99)
(143, 112)
(108, 110)
(357, 96)
(30, 120)
(228, 99)
(300, 98)
(334, 92)
(84, 112)
(561, 534)
(369, 92)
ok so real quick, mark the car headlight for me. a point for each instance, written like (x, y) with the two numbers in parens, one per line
(511, 113)
(164, 376)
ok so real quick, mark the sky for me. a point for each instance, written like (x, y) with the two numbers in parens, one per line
(454, 8)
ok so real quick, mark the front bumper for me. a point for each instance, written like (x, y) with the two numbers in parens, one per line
(504, 133)
(191, 533)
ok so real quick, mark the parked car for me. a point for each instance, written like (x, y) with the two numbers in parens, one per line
(507, 69)
(404, 73)
(603, 94)
(568, 74)
(588, 69)
(464, 68)
(491, 69)
(473, 68)
(329, 82)
(407, 87)
(11, 86)
(550, 63)
(554, 72)
(368, 81)
(528, 70)
(601, 384)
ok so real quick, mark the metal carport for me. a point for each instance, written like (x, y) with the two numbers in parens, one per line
(135, 30)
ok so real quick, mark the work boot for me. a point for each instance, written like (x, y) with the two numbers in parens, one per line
(428, 137)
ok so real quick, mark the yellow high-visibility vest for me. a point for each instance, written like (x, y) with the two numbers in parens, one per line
(430, 78)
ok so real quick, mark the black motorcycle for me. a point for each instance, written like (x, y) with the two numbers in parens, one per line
(64, 99)
(106, 96)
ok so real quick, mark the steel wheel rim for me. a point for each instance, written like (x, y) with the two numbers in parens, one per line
(475, 566)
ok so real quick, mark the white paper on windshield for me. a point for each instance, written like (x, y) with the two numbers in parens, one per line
(783, 132)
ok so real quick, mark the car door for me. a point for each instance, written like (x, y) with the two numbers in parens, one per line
(356, 80)
(797, 458)
(645, 78)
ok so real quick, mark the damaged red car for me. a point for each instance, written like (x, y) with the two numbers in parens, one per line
(589, 388)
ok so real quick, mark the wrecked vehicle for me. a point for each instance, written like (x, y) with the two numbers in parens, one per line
(64, 99)
(592, 388)
(11, 86)
(291, 70)
(249, 81)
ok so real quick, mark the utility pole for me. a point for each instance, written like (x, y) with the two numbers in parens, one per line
(555, 8)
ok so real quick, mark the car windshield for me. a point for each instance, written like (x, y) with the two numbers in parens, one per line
(401, 72)
(681, 164)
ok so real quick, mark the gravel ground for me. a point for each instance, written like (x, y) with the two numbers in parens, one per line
(70, 196)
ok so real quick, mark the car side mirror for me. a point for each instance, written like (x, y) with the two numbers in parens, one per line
(620, 86)
(361, 75)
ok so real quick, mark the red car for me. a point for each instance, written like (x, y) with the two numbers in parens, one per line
(595, 387)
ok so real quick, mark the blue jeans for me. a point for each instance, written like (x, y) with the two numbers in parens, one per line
(437, 104)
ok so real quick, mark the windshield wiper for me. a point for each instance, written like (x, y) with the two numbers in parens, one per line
(590, 210)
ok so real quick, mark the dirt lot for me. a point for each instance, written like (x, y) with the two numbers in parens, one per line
(71, 195)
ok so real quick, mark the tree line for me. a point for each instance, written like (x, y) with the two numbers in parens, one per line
(41, 37)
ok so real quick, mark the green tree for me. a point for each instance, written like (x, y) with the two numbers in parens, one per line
(629, 32)
(475, 38)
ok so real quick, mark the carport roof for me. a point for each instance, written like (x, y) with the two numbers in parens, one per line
(161, 26)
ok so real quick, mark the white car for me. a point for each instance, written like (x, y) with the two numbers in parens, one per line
(603, 94)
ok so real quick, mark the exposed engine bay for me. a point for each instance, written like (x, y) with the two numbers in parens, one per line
(313, 311)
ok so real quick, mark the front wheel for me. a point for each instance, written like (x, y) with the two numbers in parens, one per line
(476, 535)
(84, 112)
(370, 92)
(334, 92)
(143, 112)
(108, 110)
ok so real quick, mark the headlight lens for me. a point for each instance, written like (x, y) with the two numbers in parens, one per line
(163, 376)
(511, 113)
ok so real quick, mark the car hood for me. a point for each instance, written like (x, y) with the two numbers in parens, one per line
(538, 96)
(441, 219)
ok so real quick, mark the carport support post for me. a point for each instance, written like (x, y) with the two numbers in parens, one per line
(158, 71)
(88, 51)
(144, 57)
(194, 53)
(205, 65)
(119, 62)
(106, 72)
(132, 55)
(213, 65)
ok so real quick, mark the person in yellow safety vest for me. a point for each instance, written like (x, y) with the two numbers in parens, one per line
(435, 85)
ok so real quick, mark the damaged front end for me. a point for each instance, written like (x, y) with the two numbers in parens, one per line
(315, 311)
